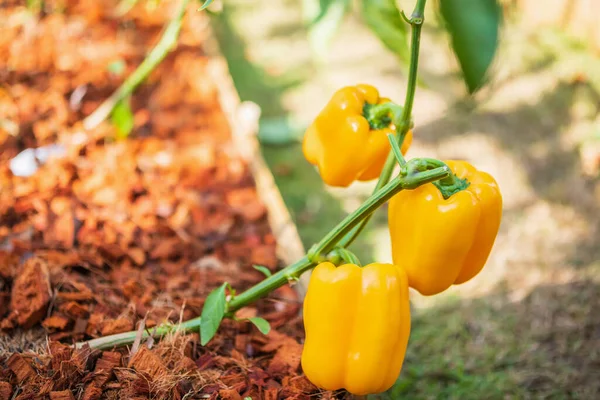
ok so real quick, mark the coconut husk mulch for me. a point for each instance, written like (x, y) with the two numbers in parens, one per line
(109, 234)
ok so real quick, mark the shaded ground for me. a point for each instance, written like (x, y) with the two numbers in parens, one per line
(528, 326)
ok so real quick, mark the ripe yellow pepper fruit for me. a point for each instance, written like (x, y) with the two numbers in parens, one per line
(357, 323)
(441, 242)
(343, 144)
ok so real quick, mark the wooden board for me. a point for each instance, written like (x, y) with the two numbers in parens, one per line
(243, 118)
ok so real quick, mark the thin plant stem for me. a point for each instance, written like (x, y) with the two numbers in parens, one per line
(402, 126)
(427, 170)
(292, 272)
(166, 43)
(396, 150)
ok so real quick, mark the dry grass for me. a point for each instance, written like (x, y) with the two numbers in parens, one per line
(19, 341)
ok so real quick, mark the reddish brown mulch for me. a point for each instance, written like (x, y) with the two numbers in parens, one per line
(117, 231)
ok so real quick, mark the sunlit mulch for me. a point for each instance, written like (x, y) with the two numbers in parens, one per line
(112, 233)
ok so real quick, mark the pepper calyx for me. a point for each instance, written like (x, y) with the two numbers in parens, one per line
(451, 185)
(377, 115)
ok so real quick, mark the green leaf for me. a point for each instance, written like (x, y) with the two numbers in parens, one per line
(324, 18)
(473, 26)
(262, 269)
(212, 314)
(384, 19)
(122, 118)
(262, 324)
(206, 4)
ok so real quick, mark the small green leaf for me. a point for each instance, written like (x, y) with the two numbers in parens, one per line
(473, 26)
(262, 269)
(262, 324)
(206, 4)
(384, 19)
(324, 18)
(232, 292)
(122, 118)
(212, 313)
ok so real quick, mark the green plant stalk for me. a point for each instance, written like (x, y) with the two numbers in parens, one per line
(340, 255)
(342, 235)
(416, 23)
(166, 43)
(396, 150)
(373, 202)
(403, 125)
(375, 112)
(294, 271)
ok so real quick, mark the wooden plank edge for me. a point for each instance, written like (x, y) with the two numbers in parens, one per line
(243, 119)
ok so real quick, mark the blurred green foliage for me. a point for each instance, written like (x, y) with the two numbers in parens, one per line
(122, 118)
(384, 19)
(472, 24)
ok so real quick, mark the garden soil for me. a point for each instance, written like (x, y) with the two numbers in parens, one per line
(113, 234)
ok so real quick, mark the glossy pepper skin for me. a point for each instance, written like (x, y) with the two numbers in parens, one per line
(357, 323)
(441, 242)
(341, 143)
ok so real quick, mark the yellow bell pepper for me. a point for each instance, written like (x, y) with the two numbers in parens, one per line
(357, 323)
(343, 143)
(441, 242)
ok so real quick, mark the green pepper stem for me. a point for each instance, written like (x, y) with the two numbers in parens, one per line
(347, 230)
(346, 256)
(416, 23)
(448, 185)
(451, 184)
(404, 122)
(381, 116)
(292, 272)
(375, 201)
(374, 112)
(396, 150)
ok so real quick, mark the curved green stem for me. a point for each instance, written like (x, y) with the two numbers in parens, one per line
(340, 254)
(424, 164)
(375, 201)
(416, 23)
(404, 123)
(396, 150)
(261, 289)
(448, 185)
(373, 112)
(384, 178)
(166, 43)
(380, 116)
(419, 171)
(292, 272)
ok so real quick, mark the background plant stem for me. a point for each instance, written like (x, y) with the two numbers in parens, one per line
(292, 272)
(166, 43)
(342, 235)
